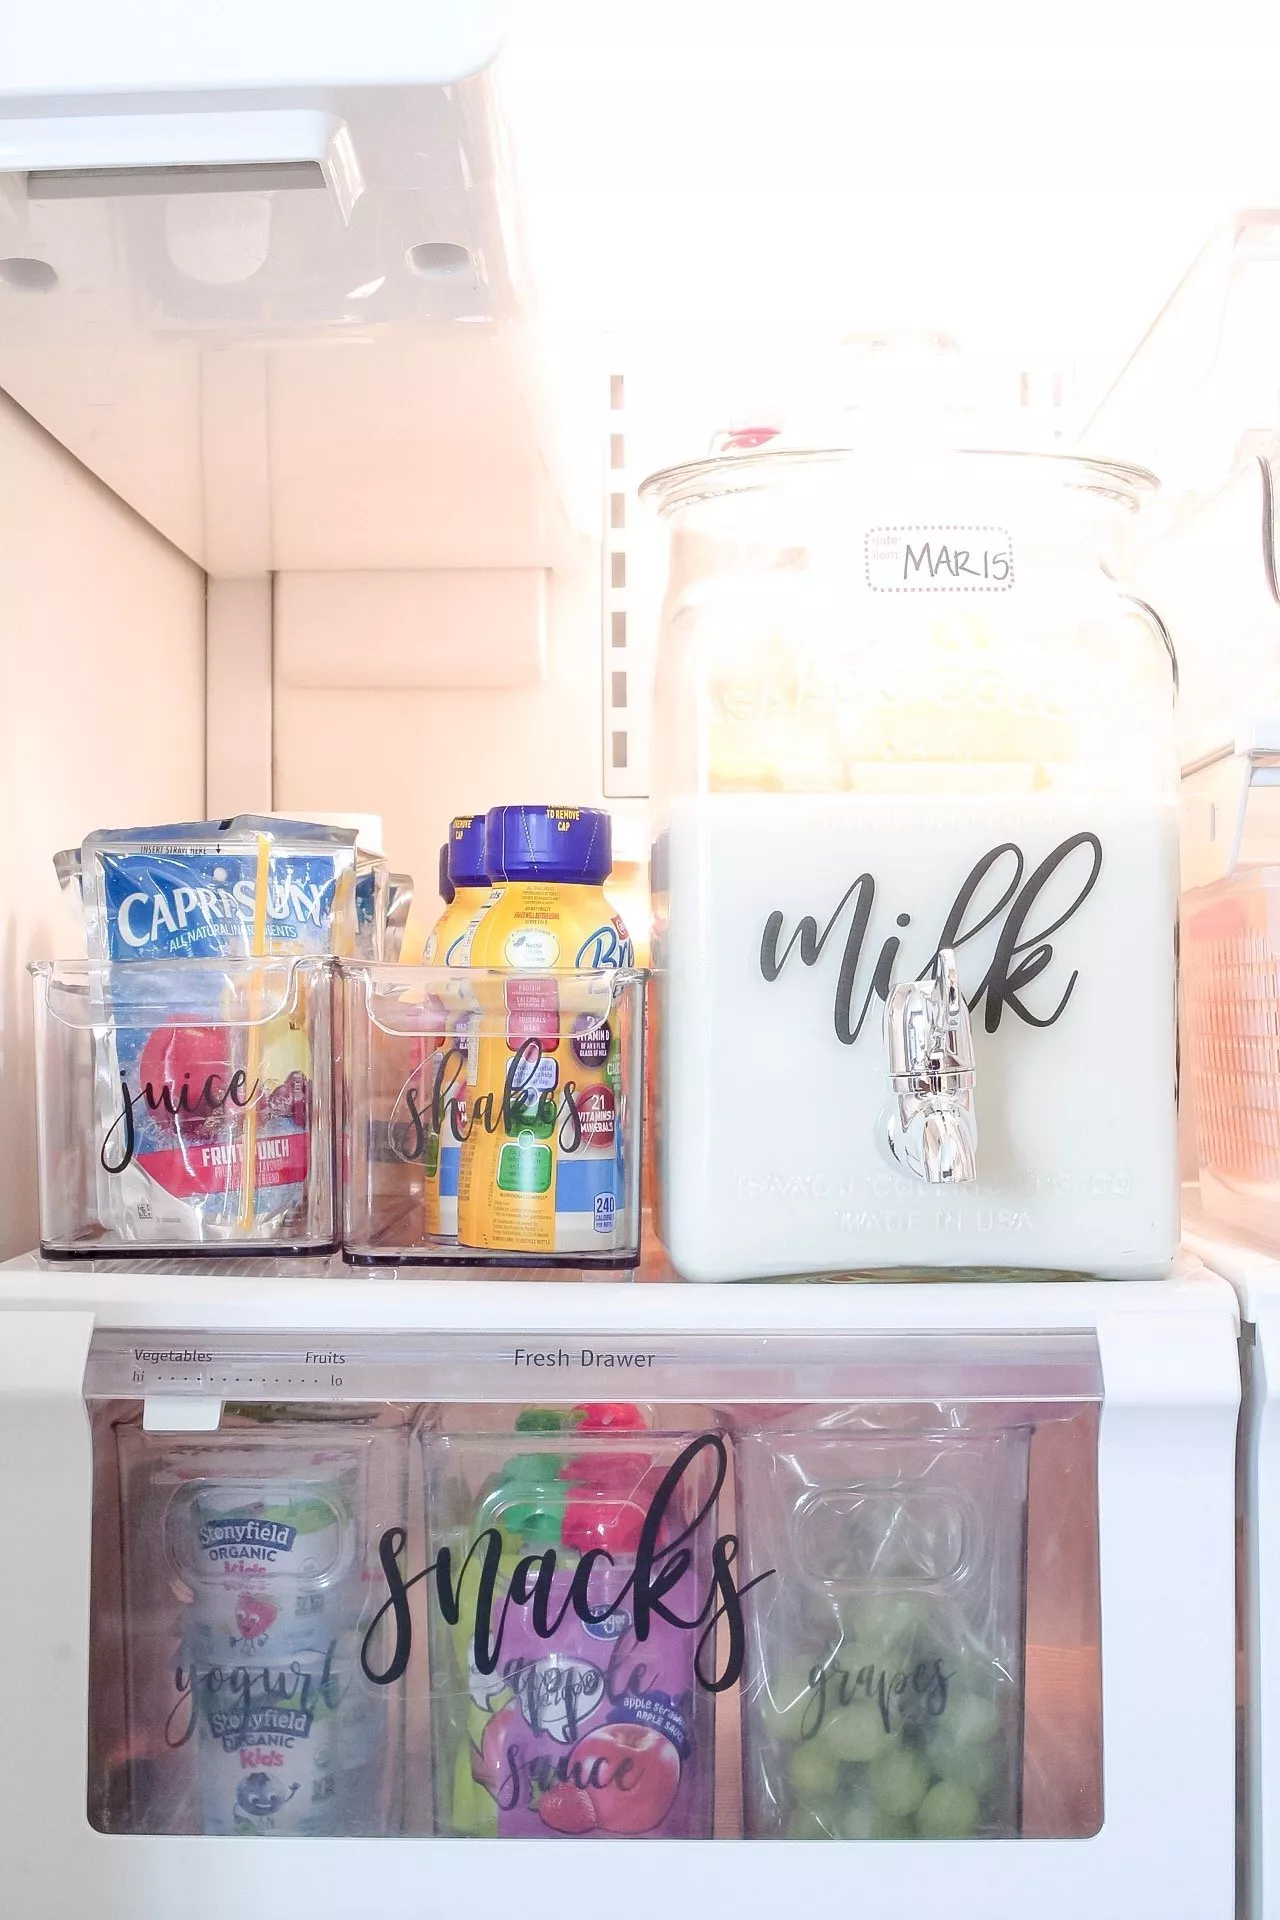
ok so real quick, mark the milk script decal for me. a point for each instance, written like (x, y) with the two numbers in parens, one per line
(1023, 950)
(662, 1558)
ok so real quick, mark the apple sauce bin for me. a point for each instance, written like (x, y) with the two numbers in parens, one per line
(574, 1650)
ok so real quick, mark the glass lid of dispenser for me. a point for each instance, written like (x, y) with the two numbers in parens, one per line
(890, 395)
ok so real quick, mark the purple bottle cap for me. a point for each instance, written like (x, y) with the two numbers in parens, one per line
(447, 888)
(467, 866)
(572, 845)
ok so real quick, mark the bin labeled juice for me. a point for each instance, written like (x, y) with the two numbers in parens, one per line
(449, 945)
(544, 1153)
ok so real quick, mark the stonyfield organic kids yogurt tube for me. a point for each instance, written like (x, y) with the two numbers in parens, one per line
(544, 1153)
(271, 1639)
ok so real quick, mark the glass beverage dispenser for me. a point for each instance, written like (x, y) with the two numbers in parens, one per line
(916, 870)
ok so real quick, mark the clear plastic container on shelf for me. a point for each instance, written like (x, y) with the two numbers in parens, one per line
(235, 1605)
(553, 1067)
(573, 1693)
(185, 1105)
(915, 873)
(889, 1641)
(889, 1700)
(1230, 952)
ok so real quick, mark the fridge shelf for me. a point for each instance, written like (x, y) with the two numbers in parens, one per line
(248, 1293)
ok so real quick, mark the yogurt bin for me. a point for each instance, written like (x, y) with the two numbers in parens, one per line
(915, 872)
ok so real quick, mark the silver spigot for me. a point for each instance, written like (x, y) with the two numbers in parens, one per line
(932, 1126)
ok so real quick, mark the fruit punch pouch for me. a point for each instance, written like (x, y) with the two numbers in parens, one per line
(191, 891)
(558, 1707)
(208, 1065)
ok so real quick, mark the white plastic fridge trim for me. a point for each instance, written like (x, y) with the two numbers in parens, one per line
(372, 1298)
(1166, 1469)
(1256, 1279)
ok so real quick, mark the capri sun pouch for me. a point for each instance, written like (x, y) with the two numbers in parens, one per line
(223, 1079)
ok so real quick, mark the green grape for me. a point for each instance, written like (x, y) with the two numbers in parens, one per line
(972, 1767)
(787, 1698)
(884, 1627)
(948, 1811)
(970, 1720)
(893, 1826)
(812, 1823)
(858, 1823)
(815, 1775)
(899, 1781)
(855, 1732)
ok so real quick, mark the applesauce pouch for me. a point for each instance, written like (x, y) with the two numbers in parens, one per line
(215, 1063)
(543, 1155)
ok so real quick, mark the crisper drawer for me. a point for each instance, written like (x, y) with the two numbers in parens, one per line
(782, 1588)
(950, 1602)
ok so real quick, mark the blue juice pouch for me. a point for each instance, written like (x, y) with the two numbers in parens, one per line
(207, 1085)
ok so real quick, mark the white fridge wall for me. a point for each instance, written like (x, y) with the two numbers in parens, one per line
(419, 754)
(101, 721)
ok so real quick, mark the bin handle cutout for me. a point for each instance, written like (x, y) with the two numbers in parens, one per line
(910, 1538)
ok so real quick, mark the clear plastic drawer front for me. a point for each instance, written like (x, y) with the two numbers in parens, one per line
(493, 1118)
(185, 1106)
(671, 1586)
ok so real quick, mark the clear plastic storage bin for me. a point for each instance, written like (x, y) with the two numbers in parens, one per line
(923, 1643)
(915, 880)
(889, 1678)
(574, 1692)
(185, 1106)
(1231, 977)
(234, 1598)
(506, 1105)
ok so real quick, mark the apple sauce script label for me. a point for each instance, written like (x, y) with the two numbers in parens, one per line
(939, 559)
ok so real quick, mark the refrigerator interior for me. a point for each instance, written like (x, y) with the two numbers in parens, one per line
(330, 366)
(349, 465)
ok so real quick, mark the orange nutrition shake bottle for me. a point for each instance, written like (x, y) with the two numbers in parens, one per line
(543, 1159)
